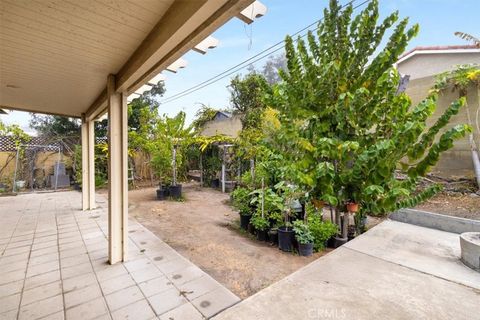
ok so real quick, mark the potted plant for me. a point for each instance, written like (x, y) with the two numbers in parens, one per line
(261, 225)
(322, 231)
(352, 206)
(241, 201)
(304, 237)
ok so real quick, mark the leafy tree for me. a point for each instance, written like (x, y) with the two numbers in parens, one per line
(344, 128)
(246, 98)
(271, 68)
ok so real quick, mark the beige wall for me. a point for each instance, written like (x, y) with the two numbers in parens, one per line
(457, 161)
(426, 65)
(230, 127)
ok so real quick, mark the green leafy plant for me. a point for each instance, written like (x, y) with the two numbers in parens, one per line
(259, 222)
(303, 234)
(321, 230)
(345, 129)
(241, 200)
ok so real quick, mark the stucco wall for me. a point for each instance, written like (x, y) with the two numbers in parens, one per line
(426, 65)
(229, 127)
(457, 161)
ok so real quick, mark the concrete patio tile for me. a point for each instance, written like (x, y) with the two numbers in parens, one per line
(10, 302)
(78, 244)
(12, 276)
(111, 271)
(75, 260)
(15, 251)
(56, 316)
(10, 259)
(11, 288)
(22, 243)
(15, 266)
(173, 265)
(166, 301)
(198, 287)
(63, 242)
(41, 308)
(137, 264)
(72, 252)
(139, 310)
(98, 254)
(43, 245)
(43, 239)
(215, 301)
(9, 315)
(123, 297)
(89, 310)
(79, 282)
(43, 251)
(77, 297)
(145, 274)
(155, 286)
(76, 270)
(42, 279)
(187, 274)
(185, 311)
(118, 283)
(42, 292)
(28, 236)
(43, 259)
(42, 268)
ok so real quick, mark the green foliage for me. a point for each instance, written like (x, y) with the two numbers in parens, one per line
(303, 234)
(344, 128)
(246, 98)
(259, 222)
(321, 230)
(458, 79)
(241, 200)
(203, 115)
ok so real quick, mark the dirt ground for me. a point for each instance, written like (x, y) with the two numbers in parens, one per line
(205, 229)
(464, 205)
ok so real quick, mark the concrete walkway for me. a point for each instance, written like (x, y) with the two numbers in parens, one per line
(394, 271)
(53, 266)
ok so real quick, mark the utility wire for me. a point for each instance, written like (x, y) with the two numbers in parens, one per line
(255, 58)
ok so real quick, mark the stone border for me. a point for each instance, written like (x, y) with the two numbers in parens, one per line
(436, 221)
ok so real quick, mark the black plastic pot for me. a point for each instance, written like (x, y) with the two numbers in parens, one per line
(161, 194)
(175, 191)
(262, 235)
(285, 238)
(244, 221)
(273, 235)
(305, 249)
(339, 241)
(215, 183)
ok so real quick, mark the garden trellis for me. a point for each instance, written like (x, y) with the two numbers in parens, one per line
(35, 148)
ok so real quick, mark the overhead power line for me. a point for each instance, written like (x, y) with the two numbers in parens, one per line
(253, 59)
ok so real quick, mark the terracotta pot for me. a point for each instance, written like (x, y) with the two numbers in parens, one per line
(352, 207)
(318, 204)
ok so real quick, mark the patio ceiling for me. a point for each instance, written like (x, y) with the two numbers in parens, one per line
(55, 56)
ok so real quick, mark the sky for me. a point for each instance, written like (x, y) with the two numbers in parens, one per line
(438, 20)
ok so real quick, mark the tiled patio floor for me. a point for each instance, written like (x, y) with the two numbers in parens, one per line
(53, 266)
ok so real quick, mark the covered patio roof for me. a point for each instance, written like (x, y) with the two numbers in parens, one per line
(85, 58)
(55, 56)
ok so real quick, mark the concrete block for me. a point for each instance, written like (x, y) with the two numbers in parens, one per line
(436, 221)
(470, 247)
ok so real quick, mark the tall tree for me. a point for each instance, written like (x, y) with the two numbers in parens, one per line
(345, 129)
(246, 98)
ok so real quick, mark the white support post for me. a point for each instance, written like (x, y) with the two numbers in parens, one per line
(223, 169)
(117, 173)
(88, 164)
